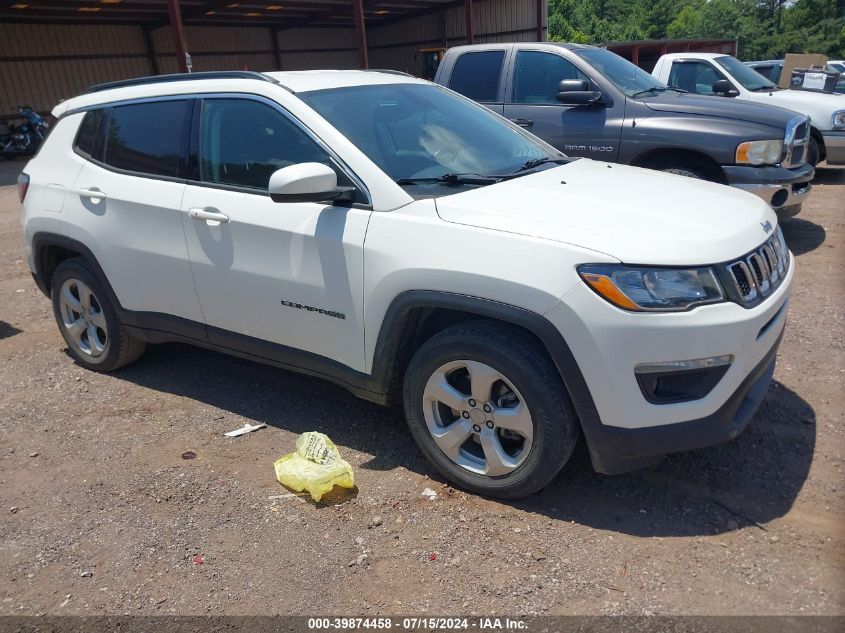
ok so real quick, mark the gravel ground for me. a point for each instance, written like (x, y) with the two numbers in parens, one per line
(100, 514)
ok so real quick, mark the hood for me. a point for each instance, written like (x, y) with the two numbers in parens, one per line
(814, 104)
(637, 216)
(720, 107)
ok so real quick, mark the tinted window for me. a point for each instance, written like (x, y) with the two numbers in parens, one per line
(148, 137)
(538, 75)
(696, 77)
(476, 75)
(86, 137)
(243, 142)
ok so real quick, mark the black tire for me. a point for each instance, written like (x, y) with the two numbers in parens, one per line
(121, 347)
(689, 172)
(519, 358)
(813, 152)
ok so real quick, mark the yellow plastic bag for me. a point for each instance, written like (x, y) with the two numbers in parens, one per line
(316, 466)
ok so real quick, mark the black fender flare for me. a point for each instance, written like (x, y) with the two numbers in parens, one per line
(396, 321)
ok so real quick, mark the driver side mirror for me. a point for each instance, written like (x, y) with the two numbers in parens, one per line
(306, 182)
(725, 88)
(576, 92)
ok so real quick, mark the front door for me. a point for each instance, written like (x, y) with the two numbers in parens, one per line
(593, 131)
(288, 274)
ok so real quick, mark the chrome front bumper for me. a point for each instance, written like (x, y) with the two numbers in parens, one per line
(785, 197)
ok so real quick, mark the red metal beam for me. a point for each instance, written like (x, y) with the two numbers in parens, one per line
(468, 16)
(180, 46)
(361, 34)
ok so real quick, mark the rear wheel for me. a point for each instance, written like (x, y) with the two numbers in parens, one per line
(488, 409)
(88, 322)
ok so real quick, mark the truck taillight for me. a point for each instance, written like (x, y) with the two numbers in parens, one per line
(23, 185)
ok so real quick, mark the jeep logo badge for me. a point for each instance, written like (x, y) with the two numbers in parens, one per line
(767, 226)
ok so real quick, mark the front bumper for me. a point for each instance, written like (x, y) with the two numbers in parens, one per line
(779, 187)
(834, 144)
(615, 450)
(608, 344)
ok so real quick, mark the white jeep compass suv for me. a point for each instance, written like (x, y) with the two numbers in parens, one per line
(391, 236)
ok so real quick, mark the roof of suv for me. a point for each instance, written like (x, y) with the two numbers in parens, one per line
(293, 81)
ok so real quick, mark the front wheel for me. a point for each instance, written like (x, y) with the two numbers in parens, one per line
(813, 152)
(488, 409)
(689, 172)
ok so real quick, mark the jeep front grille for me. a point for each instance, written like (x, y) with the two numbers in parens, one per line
(757, 274)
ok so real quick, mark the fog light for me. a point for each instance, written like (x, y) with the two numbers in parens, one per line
(681, 380)
(780, 197)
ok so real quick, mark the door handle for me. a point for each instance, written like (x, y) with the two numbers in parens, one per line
(210, 216)
(93, 194)
(522, 122)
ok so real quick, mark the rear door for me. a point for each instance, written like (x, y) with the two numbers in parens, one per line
(128, 197)
(479, 75)
(531, 101)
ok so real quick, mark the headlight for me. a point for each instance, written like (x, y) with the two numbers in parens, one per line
(759, 152)
(652, 289)
(839, 119)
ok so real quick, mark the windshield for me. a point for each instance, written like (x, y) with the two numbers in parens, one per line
(418, 131)
(630, 79)
(837, 66)
(748, 77)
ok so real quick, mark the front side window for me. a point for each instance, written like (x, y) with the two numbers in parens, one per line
(243, 141)
(695, 77)
(538, 75)
(149, 138)
(417, 131)
(476, 75)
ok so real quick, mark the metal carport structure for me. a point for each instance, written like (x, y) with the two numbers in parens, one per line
(52, 49)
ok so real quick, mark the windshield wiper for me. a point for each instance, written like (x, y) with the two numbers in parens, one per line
(652, 89)
(450, 179)
(770, 87)
(536, 162)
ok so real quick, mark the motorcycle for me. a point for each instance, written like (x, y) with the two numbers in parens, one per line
(25, 138)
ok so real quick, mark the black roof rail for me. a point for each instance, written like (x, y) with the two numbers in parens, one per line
(164, 79)
(390, 71)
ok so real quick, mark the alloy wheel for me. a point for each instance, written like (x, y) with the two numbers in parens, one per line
(83, 318)
(477, 418)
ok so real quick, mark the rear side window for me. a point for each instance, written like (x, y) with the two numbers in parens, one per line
(476, 75)
(86, 137)
(149, 138)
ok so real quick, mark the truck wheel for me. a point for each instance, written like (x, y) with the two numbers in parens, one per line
(88, 322)
(689, 172)
(813, 152)
(488, 409)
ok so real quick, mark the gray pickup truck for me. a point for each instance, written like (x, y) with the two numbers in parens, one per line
(587, 101)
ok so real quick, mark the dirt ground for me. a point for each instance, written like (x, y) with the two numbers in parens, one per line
(100, 514)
